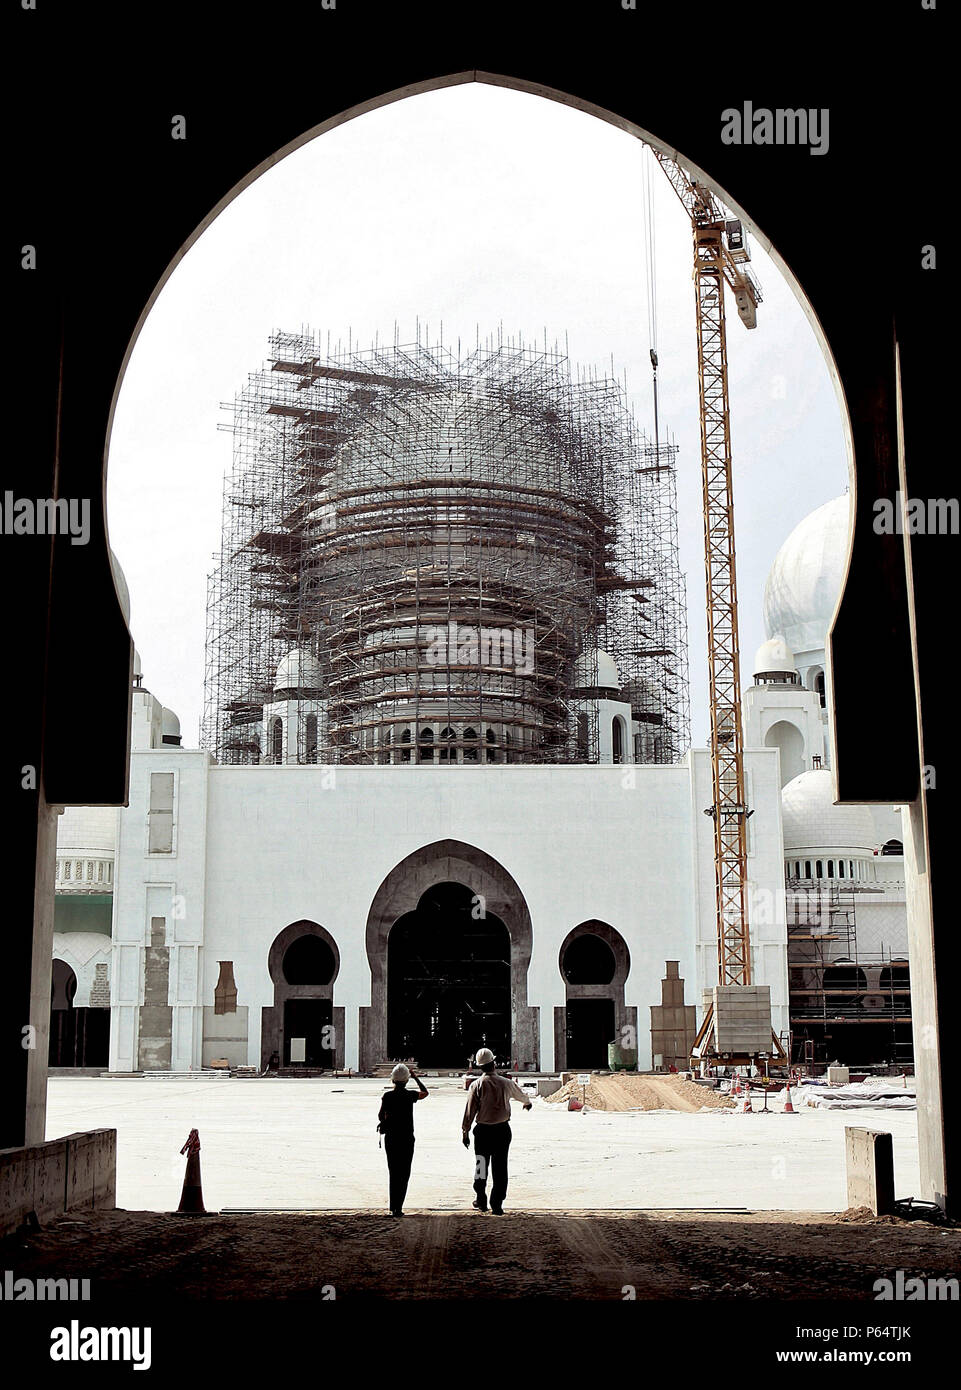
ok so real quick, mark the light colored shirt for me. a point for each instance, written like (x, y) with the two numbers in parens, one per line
(489, 1100)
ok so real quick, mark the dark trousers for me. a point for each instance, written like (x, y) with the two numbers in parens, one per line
(491, 1143)
(400, 1155)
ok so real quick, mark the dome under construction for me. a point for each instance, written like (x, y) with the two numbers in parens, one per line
(430, 557)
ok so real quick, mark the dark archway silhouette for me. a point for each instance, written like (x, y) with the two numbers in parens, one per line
(303, 963)
(499, 896)
(594, 963)
(448, 981)
(79, 1037)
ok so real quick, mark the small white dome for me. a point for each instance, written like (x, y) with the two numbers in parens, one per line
(805, 580)
(596, 668)
(813, 823)
(170, 727)
(774, 655)
(298, 670)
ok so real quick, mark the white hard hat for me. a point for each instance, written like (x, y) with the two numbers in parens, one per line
(483, 1057)
(401, 1073)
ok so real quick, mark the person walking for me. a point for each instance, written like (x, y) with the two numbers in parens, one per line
(395, 1121)
(489, 1109)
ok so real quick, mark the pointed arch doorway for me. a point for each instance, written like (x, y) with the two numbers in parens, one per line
(449, 945)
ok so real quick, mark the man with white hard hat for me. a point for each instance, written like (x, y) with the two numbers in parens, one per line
(396, 1123)
(489, 1109)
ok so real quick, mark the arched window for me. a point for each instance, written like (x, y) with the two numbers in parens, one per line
(310, 738)
(617, 738)
(583, 737)
(470, 754)
(807, 868)
(589, 960)
(405, 752)
(308, 961)
(819, 869)
(819, 687)
(840, 868)
(491, 752)
(426, 750)
(830, 868)
(277, 741)
(445, 752)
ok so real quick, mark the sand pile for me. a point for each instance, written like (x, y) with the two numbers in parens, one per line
(631, 1092)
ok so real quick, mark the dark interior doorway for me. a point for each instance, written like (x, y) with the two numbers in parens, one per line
(312, 1020)
(78, 1037)
(590, 1027)
(448, 980)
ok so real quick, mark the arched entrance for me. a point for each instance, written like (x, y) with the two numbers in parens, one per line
(448, 980)
(594, 962)
(456, 969)
(79, 1037)
(303, 1030)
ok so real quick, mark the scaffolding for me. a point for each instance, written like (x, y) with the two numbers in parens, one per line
(439, 550)
(835, 987)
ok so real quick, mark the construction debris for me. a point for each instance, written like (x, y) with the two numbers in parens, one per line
(873, 1094)
(630, 1092)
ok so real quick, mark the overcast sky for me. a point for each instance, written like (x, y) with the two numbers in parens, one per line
(473, 206)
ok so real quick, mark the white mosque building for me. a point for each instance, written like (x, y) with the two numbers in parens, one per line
(844, 865)
(283, 912)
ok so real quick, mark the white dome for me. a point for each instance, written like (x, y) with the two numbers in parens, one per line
(120, 584)
(90, 828)
(812, 822)
(298, 671)
(170, 726)
(596, 668)
(805, 580)
(774, 655)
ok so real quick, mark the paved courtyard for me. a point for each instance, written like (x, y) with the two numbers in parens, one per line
(312, 1145)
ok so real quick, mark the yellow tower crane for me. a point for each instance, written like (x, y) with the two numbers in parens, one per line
(720, 255)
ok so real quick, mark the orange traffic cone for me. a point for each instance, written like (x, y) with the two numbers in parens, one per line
(747, 1108)
(192, 1197)
(788, 1107)
(736, 1084)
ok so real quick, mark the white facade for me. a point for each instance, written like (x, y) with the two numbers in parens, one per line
(255, 849)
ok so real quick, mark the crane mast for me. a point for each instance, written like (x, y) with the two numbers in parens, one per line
(720, 251)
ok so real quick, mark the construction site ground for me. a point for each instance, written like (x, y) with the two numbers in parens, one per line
(582, 1254)
(312, 1145)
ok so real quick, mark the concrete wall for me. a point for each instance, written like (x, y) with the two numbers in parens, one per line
(76, 1173)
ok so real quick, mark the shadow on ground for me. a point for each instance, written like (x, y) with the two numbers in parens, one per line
(567, 1255)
